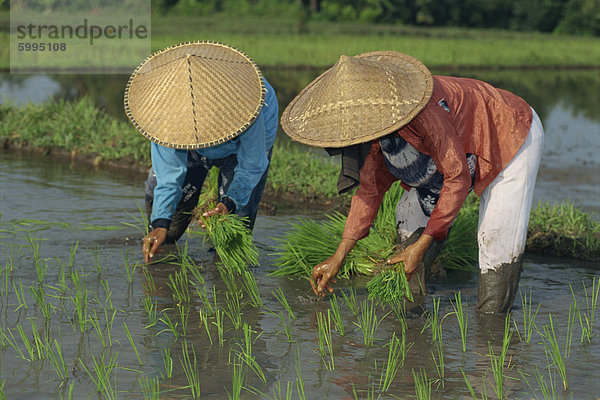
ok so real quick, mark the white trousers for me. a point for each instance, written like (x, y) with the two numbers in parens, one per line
(504, 207)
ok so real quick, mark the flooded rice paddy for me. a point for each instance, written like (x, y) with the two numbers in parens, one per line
(83, 317)
(74, 288)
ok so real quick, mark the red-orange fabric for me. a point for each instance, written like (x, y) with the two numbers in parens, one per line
(483, 120)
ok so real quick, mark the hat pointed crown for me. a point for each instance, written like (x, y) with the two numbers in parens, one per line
(358, 99)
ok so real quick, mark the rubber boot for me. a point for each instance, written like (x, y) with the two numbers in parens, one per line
(497, 288)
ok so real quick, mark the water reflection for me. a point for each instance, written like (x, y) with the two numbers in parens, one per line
(566, 101)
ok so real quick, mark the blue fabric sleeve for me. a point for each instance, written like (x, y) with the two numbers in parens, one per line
(170, 167)
(252, 151)
(252, 163)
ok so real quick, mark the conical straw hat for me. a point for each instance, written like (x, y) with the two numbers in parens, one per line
(194, 95)
(359, 99)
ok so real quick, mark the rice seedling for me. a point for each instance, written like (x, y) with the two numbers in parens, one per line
(368, 322)
(529, 317)
(369, 392)
(167, 364)
(97, 260)
(552, 348)
(422, 385)
(237, 379)
(438, 360)
(245, 353)
(132, 343)
(278, 393)
(586, 319)
(41, 266)
(278, 294)
(286, 323)
(29, 347)
(183, 317)
(150, 284)
(462, 317)
(39, 296)
(232, 241)
(351, 301)
(104, 335)
(218, 322)
(190, 369)
(548, 389)
(498, 362)
(251, 288)
(2, 394)
(233, 309)
(324, 339)
(170, 325)
(129, 265)
(389, 285)
(299, 379)
(202, 294)
(20, 296)
(150, 387)
(107, 293)
(433, 320)
(399, 309)
(337, 315)
(204, 320)
(69, 392)
(13, 343)
(484, 395)
(229, 278)
(101, 374)
(80, 301)
(397, 350)
(180, 287)
(57, 360)
(151, 308)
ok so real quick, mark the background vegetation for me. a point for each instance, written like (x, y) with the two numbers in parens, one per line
(558, 16)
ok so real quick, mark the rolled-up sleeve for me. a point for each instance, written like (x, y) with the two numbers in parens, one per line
(439, 135)
(375, 180)
(170, 167)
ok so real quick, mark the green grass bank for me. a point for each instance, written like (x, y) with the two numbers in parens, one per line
(83, 131)
(275, 42)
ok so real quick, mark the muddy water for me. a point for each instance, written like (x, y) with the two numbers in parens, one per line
(59, 206)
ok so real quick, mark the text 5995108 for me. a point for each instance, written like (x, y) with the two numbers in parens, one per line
(42, 46)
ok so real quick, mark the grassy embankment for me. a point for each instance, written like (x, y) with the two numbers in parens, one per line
(274, 42)
(58, 126)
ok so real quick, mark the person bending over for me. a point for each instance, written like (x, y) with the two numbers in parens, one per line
(441, 136)
(202, 104)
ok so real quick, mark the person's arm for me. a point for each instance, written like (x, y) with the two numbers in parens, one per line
(170, 167)
(375, 180)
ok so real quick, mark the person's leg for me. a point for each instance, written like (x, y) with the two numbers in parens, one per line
(504, 211)
(198, 168)
(226, 173)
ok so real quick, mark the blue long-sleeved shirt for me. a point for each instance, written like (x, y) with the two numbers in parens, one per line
(170, 165)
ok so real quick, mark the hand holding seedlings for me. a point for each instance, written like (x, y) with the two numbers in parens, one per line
(325, 272)
(412, 255)
(220, 209)
(152, 242)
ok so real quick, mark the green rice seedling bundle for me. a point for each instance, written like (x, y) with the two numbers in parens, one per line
(309, 242)
(232, 241)
(390, 285)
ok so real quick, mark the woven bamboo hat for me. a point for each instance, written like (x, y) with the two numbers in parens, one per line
(194, 95)
(359, 99)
